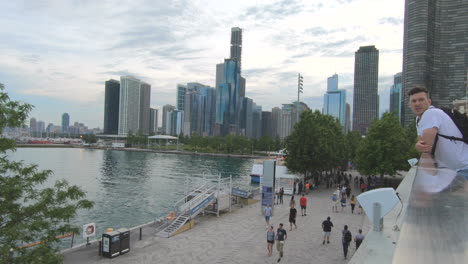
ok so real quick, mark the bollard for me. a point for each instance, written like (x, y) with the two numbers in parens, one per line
(100, 248)
(73, 237)
(140, 232)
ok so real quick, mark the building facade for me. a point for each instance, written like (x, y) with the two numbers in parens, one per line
(166, 119)
(145, 99)
(435, 51)
(396, 96)
(111, 107)
(334, 101)
(236, 45)
(153, 123)
(366, 99)
(65, 122)
(181, 91)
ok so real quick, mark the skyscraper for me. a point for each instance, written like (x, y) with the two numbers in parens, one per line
(166, 119)
(32, 126)
(111, 107)
(395, 95)
(435, 51)
(134, 106)
(236, 45)
(181, 90)
(153, 124)
(366, 99)
(65, 122)
(267, 130)
(334, 101)
(145, 99)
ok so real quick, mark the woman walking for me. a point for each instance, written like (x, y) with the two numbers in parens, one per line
(353, 203)
(270, 240)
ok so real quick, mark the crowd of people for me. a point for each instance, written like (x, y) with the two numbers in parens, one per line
(341, 197)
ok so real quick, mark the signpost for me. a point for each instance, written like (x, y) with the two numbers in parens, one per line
(268, 184)
(89, 230)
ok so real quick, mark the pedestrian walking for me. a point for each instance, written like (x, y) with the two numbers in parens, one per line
(292, 202)
(359, 238)
(346, 239)
(335, 201)
(281, 237)
(270, 240)
(281, 193)
(343, 202)
(303, 203)
(292, 217)
(353, 203)
(326, 226)
(267, 212)
(307, 187)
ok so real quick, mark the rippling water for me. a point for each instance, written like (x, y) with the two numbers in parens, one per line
(129, 188)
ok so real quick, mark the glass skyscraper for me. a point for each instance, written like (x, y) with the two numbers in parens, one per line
(134, 106)
(435, 51)
(334, 101)
(65, 122)
(395, 96)
(111, 107)
(366, 98)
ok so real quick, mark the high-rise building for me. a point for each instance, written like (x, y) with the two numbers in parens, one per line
(256, 121)
(32, 126)
(153, 123)
(348, 118)
(40, 127)
(134, 106)
(395, 95)
(181, 90)
(228, 101)
(176, 118)
(366, 99)
(145, 99)
(275, 122)
(111, 107)
(236, 45)
(166, 120)
(65, 122)
(334, 101)
(435, 51)
(199, 110)
(267, 130)
(286, 125)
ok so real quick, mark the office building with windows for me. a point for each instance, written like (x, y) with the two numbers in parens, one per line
(396, 96)
(65, 122)
(111, 107)
(435, 51)
(366, 99)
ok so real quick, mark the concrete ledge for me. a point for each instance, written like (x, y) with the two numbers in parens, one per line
(379, 247)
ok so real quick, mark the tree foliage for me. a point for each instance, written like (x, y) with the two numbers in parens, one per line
(29, 213)
(353, 140)
(385, 149)
(316, 144)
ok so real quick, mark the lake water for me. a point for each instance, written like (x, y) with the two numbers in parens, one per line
(129, 188)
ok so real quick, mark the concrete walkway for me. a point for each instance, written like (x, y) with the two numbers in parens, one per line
(240, 237)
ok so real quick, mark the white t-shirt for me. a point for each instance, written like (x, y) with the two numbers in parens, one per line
(449, 153)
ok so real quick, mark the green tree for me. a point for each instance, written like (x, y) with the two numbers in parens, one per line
(89, 138)
(29, 213)
(385, 149)
(316, 144)
(353, 140)
(411, 137)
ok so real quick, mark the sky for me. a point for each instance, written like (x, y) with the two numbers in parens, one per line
(57, 54)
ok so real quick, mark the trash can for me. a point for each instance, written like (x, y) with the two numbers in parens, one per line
(124, 240)
(111, 244)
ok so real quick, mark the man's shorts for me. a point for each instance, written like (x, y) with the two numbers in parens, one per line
(303, 207)
(267, 218)
(279, 246)
(327, 234)
(292, 220)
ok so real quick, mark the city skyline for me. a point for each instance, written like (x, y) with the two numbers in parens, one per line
(48, 57)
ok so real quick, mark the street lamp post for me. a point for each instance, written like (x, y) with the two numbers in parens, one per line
(299, 91)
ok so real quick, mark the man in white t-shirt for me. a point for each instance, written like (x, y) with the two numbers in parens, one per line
(430, 121)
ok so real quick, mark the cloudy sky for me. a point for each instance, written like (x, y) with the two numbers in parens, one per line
(57, 54)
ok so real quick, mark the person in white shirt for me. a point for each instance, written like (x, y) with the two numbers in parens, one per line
(430, 122)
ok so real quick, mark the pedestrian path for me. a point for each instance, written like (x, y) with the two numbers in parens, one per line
(240, 237)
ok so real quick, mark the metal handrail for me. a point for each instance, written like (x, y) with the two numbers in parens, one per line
(176, 205)
(201, 196)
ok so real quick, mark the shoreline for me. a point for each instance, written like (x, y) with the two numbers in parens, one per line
(142, 150)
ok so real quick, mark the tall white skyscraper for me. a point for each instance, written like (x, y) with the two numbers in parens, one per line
(134, 106)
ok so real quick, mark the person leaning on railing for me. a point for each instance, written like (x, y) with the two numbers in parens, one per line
(438, 135)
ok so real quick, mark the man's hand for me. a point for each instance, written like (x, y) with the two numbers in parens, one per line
(422, 146)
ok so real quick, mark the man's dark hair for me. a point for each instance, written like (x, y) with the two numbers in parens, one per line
(418, 89)
(328, 218)
(346, 227)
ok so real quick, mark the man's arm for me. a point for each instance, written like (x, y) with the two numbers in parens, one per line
(426, 140)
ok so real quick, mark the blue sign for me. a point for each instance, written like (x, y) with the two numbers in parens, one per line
(240, 193)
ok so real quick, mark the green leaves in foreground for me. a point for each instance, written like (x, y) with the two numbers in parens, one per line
(28, 212)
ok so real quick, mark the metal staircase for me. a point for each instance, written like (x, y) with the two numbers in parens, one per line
(189, 207)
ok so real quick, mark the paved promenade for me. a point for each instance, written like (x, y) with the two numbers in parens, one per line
(240, 237)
